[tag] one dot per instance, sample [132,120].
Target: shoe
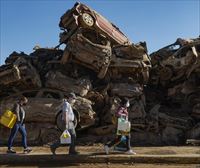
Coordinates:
[106,148]
[27,150]
[53,150]
[11,151]
[74,153]
[130,152]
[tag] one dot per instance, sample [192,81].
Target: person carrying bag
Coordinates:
[123,127]
[19,125]
[69,135]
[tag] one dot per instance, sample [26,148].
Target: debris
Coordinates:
[101,65]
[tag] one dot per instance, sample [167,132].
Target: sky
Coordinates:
[26,23]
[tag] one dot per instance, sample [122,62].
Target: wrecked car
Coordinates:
[83,16]
[174,61]
[19,75]
[45,107]
[92,53]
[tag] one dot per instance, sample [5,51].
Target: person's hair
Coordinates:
[70,95]
[124,100]
[65,96]
[23,98]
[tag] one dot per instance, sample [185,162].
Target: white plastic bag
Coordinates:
[65,138]
[123,127]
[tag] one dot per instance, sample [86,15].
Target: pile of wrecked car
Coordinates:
[101,65]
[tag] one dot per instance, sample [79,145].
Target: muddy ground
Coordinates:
[112,166]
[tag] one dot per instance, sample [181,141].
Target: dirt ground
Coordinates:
[110,166]
[99,148]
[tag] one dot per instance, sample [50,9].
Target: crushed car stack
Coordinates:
[176,79]
[101,65]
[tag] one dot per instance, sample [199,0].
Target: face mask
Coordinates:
[127,104]
[72,101]
[23,103]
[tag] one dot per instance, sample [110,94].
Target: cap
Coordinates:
[72,95]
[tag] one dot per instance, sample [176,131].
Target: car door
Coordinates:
[43,107]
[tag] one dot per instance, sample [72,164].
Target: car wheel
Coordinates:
[60,123]
[193,99]
[86,20]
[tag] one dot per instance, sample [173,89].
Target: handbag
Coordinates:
[8,119]
[65,138]
[123,126]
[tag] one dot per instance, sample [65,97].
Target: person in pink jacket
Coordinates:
[121,112]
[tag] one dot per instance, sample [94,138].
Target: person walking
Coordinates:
[68,118]
[121,112]
[19,126]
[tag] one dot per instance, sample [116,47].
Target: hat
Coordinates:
[72,95]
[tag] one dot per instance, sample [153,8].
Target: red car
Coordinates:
[82,16]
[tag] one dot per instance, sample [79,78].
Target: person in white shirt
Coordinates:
[68,118]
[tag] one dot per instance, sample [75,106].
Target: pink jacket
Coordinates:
[122,111]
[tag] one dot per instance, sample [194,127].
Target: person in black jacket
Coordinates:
[19,126]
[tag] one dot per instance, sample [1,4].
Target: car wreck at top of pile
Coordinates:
[83,16]
[94,42]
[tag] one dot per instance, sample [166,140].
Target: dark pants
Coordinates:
[21,128]
[117,140]
[73,141]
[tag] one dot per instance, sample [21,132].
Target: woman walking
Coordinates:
[122,112]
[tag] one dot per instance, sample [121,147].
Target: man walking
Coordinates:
[68,118]
[19,126]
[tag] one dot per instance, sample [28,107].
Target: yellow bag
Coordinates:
[8,119]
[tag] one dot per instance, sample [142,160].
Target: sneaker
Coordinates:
[130,152]
[53,150]
[27,150]
[106,148]
[74,153]
[11,151]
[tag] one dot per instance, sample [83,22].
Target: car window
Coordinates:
[173,47]
[50,94]
[30,94]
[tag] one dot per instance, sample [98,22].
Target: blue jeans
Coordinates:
[21,128]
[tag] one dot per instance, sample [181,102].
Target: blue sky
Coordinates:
[26,23]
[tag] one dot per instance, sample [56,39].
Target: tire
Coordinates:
[193,99]
[86,20]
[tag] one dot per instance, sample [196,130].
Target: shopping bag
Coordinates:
[8,119]
[123,126]
[65,138]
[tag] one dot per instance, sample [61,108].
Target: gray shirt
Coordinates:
[19,111]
